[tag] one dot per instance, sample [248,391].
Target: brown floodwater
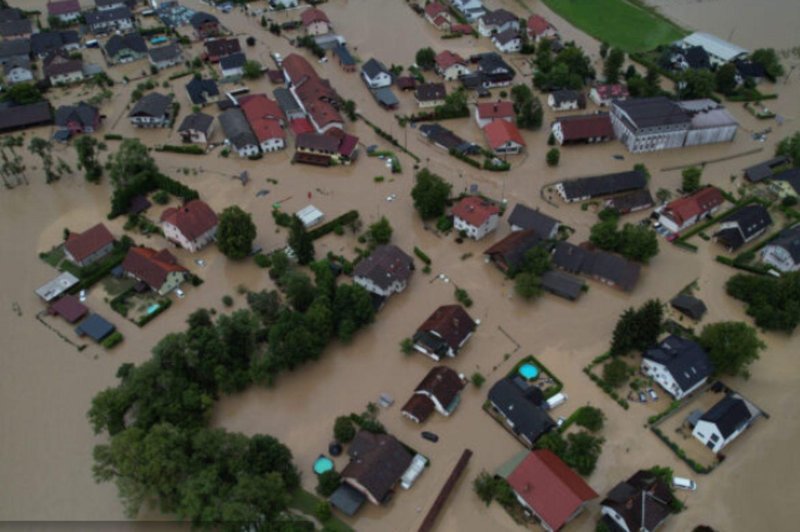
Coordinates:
[46,385]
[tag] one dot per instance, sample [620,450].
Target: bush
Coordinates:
[227,301]
[477,379]
[421,255]
[328,482]
[589,417]
[262,261]
[407,346]
[191,149]
[161,197]
[112,340]
[553,157]
[616,372]
[347,218]
[463,297]
[344,430]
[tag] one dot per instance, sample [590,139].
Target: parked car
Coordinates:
[180,293]
[684,483]
[82,296]
[652,393]
[642,397]
[560,421]
[430,436]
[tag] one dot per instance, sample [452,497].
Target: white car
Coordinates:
[391,197]
[200,262]
[684,483]
[82,296]
[180,293]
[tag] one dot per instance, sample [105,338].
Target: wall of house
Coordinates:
[174,279]
[779,258]
[91,259]
[509,148]
[317,28]
[275,144]
[381,80]
[69,17]
[706,432]
[173,234]
[563,106]
[514,45]
[357,485]
[19,75]
[149,121]
[542,523]
[432,103]
[605,510]
[476,232]
[64,79]
[395,288]
[697,137]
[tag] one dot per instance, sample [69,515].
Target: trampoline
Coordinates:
[529,371]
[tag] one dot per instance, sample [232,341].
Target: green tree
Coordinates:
[323,511]
[477,379]
[22,94]
[553,441]
[300,291]
[301,242]
[44,149]
[590,417]
[695,84]
[344,430]
[638,329]
[731,346]
[726,79]
[604,47]
[349,108]
[638,243]
[583,451]
[536,260]
[528,285]
[235,233]
[266,305]
[616,372]
[425,58]
[328,482]
[663,195]
[605,236]
[87,149]
[430,194]
[252,69]
[528,108]
[131,163]
[790,147]
[553,157]
[691,179]
[772,302]
[485,486]
[767,58]
[352,308]
[613,64]
[381,231]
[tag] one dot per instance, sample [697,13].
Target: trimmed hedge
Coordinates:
[112,340]
[680,453]
[191,149]
[164,304]
[550,392]
[422,256]
[603,385]
[346,218]
[112,136]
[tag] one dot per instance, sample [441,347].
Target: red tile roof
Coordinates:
[419,406]
[466,29]
[446,59]
[551,488]
[151,266]
[499,132]
[586,126]
[695,204]
[315,93]
[434,9]
[310,16]
[451,322]
[475,210]
[63,7]
[615,90]
[300,126]
[297,67]
[498,109]
[81,245]
[70,308]
[193,219]
[264,116]
[348,145]
[442,383]
[537,25]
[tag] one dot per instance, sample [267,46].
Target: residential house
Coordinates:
[17,71]
[493,71]
[95,327]
[497,21]
[152,110]
[583,129]
[604,94]
[192,226]
[375,74]
[406,83]
[196,128]
[640,504]
[765,170]
[344,58]
[503,137]
[445,139]
[524,218]
[166,56]
[20,28]
[629,202]
[440,390]
[377,462]
[266,121]
[315,95]
[125,48]
[66,11]
[584,188]
[61,70]
[783,252]
[69,307]
[13,118]
[566,100]
[386,271]
[549,489]
[678,365]
[216,49]
[725,421]
[743,226]
[232,66]
[749,71]
[283,4]
[445,332]
[689,306]
[15,50]
[475,216]
[520,406]
[385,98]
[205,25]
[106,5]
[786,183]
[508,41]
[79,118]
[491,111]
[509,253]
[315,21]
[159,270]
[472,10]
[88,247]
[683,213]
[450,66]
[324,149]
[430,94]
[719,51]
[119,19]
[539,28]
[608,268]
[438,15]
[562,284]
[202,91]
[238,134]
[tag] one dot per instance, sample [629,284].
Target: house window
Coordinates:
[714,438]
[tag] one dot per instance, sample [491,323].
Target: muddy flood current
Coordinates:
[46,384]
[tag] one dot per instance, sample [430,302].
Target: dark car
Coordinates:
[430,436]
[484,93]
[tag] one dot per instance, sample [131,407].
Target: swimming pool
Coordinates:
[529,371]
[322,464]
[152,308]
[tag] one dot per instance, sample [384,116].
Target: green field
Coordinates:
[620,23]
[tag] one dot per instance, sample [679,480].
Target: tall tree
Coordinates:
[430,194]
[44,150]
[691,179]
[381,231]
[767,58]
[131,163]
[696,84]
[301,242]
[732,347]
[725,78]
[425,58]
[613,64]
[87,148]
[235,233]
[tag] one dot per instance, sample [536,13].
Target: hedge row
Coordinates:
[532,359]
[112,136]
[164,304]
[674,405]
[112,340]
[344,219]
[680,453]
[422,256]
[121,199]
[607,388]
[759,270]
[467,159]
[181,74]
[191,149]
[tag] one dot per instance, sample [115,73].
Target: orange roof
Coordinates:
[151,266]
[310,16]
[193,219]
[498,109]
[475,210]
[81,245]
[499,132]
[446,59]
[263,115]
[695,204]
[297,67]
[435,8]
[537,25]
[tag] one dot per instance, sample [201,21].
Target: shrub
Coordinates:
[407,346]
[227,300]
[161,197]
[553,157]
[477,379]
[343,429]
[328,482]
[421,255]
[463,297]
[112,340]
[261,260]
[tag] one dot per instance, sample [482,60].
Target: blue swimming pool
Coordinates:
[529,371]
[152,308]
[322,464]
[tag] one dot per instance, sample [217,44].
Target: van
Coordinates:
[92,44]
[556,400]
[684,483]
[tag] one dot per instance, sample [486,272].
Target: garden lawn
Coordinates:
[619,23]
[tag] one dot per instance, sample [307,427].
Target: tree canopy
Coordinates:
[790,147]
[635,242]
[235,233]
[22,93]
[300,241]
[696,84]
[774,303]
[579,450]
[87,149]
[380,232]
[638,329]
[425,58]
[731,346]
[528,108]
[430,194]
[767,58]
[691,179]
[613,64]
[130,163]
[725,78]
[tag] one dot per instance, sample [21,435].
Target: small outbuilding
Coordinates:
[95,327]
[310,216]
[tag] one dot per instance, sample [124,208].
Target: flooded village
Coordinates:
[494,321]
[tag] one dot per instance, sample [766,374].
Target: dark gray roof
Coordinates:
[644,502]
[569,257]
[347,499]
[562,284]
[750,220]
[761,171]
[198,88]
[95,327]
[129,41]
[438,134]
[791,176]
[519,407]
[498,17]
[17,62]
[512,249]
[237,130]
[565,96]
[165,53]
[153,104]
[10,13]
[200,18]
[685,360]
[729,415]
[97,17]
[22,116]
[505,37]
[236,60]
[604,185]
[600,264]
[385,265]
[427,92]
[377,462]
[344,55]
[789,239]
[48,41]
[285,100]
[631,201]
[198,122]
[385,97]
[527,218]
[653,112]
[689,305]
[15,47]
[82,112]
[492,63]
[373,68]
[15,27]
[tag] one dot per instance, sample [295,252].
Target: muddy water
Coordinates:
[46,385]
